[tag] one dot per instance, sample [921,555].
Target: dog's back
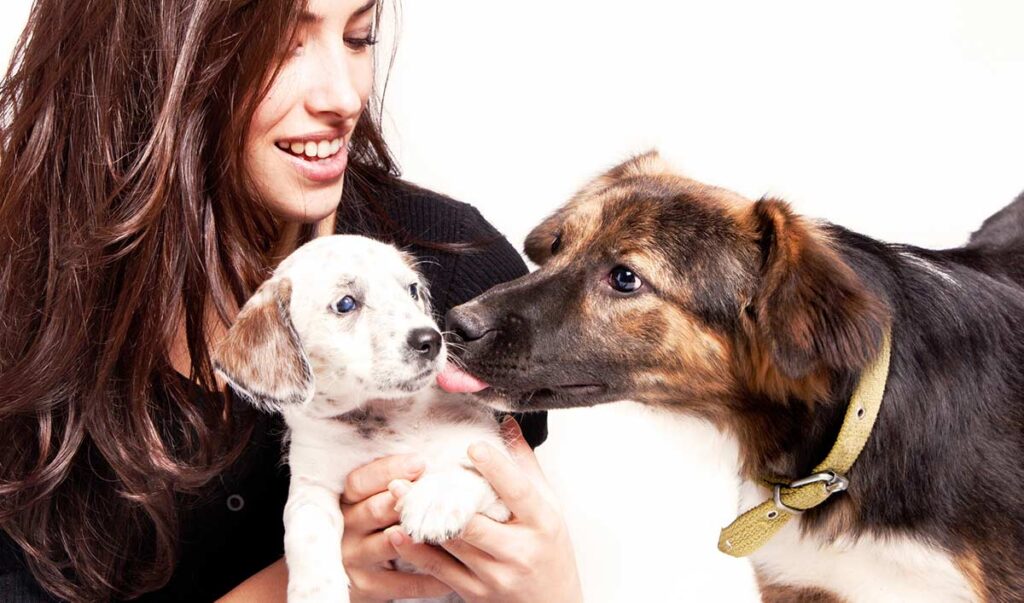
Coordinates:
[1001,238]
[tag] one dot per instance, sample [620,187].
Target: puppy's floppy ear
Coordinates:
[811,311]
[262,356]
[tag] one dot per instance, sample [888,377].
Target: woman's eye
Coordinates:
[345,305]
[624,280]
[414,291]
[360,43]
[556,244]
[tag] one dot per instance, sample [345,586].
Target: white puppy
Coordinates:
[341,342]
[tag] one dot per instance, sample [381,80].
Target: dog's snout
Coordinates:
[426,342]
[466,324]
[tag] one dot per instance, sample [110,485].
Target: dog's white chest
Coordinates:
[868,570]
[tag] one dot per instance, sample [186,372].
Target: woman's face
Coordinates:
[296,150]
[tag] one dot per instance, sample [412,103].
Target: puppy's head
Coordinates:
[343,320]
[657,288]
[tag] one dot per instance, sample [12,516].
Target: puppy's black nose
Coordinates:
[466,324]
[425,341]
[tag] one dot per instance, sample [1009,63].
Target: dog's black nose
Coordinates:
[466,324]
[425,341]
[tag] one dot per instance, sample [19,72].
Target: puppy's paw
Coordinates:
[438,506]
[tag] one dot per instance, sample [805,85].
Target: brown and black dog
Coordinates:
[656,288]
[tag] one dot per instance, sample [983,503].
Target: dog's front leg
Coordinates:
[313,527]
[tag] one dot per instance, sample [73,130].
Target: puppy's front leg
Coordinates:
[313,527]
[440,504]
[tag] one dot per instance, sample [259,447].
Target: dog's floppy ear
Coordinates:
[649,163]
[262,357]
[810,310]
[545,238]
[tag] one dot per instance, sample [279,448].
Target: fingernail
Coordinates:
[414,466]
[395,536]
[510,424]
[398,488]
[479,452]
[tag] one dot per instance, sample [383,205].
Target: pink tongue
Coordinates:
[454,380]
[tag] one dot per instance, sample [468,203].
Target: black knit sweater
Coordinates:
[237,530]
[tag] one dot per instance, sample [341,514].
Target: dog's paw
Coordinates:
[438,506]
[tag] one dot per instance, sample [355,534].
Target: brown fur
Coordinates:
[749,316]
[262,354]
[775,593]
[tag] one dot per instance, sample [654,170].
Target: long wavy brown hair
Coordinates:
[124,210]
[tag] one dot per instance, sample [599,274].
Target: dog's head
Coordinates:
[656,288]
[343,320]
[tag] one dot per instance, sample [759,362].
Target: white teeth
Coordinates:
[313,150]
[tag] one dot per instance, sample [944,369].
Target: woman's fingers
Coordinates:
[374,513]
[386,585]
[517,445]
[373,477]
[509,481]
[434,562]
[372,550]
[485,536]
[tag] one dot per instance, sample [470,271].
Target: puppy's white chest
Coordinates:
[869,569]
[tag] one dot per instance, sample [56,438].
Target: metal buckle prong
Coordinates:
[834,482]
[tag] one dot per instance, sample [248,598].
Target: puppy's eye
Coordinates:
[624,280]
[344,305]
[556,244]
[414,291]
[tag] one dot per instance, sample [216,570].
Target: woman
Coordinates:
[158,158]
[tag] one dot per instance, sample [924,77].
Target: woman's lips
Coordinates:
[321,171]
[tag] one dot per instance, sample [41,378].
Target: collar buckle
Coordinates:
[833,480]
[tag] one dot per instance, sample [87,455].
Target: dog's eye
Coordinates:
[414,291]
[556,244]
[344,305]
[624,280]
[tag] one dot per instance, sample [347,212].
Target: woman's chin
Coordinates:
[314,207]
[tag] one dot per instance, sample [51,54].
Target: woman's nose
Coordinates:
[333,87]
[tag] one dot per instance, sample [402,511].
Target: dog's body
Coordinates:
[656,288]
[340,341]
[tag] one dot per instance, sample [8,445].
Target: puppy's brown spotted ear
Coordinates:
[545,239]
[811,311]
[262,357]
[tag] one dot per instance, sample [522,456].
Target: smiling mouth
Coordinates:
[312,150]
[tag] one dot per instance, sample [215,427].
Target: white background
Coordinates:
[901,120]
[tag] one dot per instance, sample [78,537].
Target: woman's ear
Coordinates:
[810,310]
[262,357]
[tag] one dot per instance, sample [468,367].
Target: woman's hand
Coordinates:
[368,508]
[528,559]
